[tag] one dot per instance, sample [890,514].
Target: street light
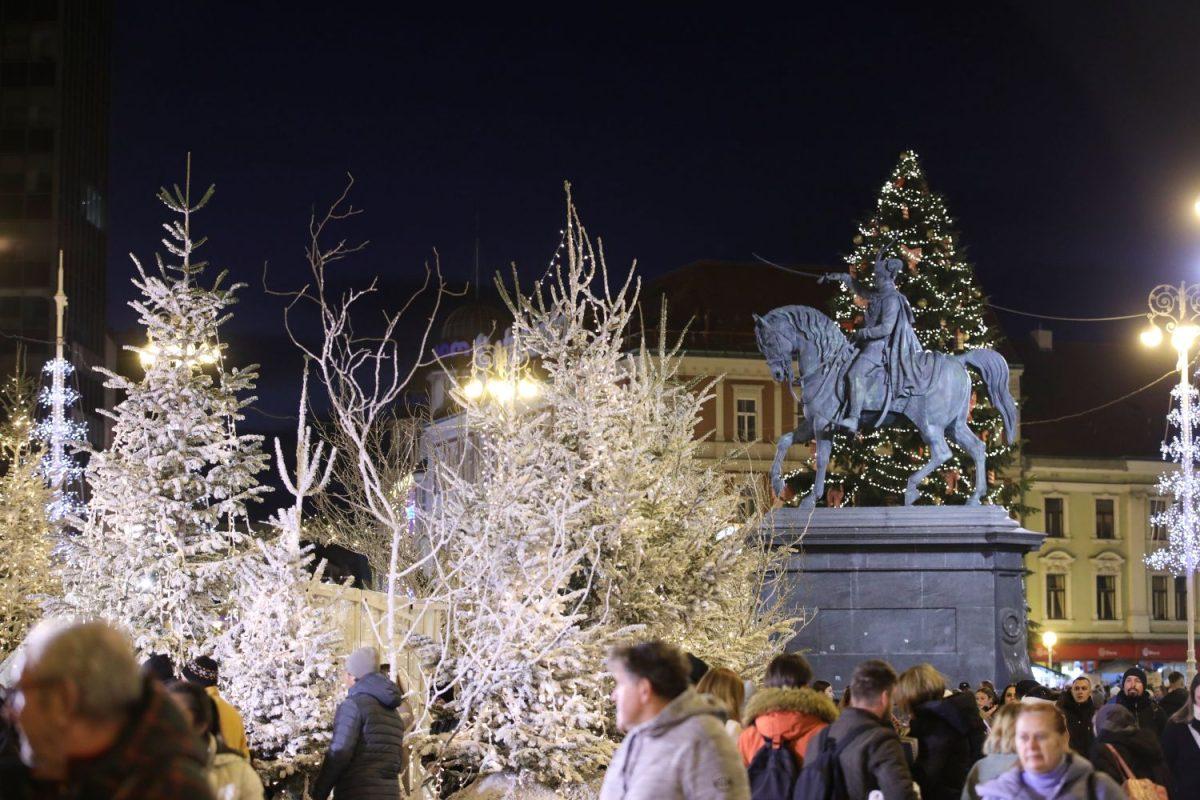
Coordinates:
[1175,310]
[500,372]
[1049,639]
[202,354]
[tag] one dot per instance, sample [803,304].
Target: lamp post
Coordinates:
[1175,311]
[501,373]
[1049,639]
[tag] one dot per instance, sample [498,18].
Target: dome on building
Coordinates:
[473,318]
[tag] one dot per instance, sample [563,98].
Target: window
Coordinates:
[747,419]
[1054,518]
[1180,597]
[1056,596]
[1158,596]
[1104,519]
[1158,533]
[1106,597]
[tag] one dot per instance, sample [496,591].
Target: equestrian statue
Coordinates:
[878,375]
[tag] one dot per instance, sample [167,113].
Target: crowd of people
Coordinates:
[88,722]
[893,736]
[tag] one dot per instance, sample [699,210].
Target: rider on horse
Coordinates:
[887,340]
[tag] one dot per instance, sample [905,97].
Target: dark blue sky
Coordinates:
[1066,139]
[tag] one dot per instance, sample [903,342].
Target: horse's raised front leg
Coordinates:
[939,452]
[967,440]
[781,449]
[824,449]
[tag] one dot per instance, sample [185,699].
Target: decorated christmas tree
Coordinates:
[911,221]
[26,532]
[167,496]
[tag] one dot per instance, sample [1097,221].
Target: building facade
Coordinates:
[54,95]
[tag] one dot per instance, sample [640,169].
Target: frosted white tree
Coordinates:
[167,495]
[26,533]
[581,513]
[280,654]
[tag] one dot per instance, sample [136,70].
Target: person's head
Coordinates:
[76,686]
[886,270]
[985,698]
[361,663]
[698,668]
[160,667]
[845,701]
[788,671]
[1002,735]
[1113,718]
[196,705]
[1191,709]
[1010,694]
[872,686]
[988,685]
[1133,682]
[918,685]
[1042,738]
[202,671]
[823,687]
[1175,680]
[726,686]
[649,675]
[1081,689]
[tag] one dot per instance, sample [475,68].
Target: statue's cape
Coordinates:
[910,367]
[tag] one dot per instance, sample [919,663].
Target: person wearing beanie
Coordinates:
[1133,696]
[1120,744]
[366,756]
[205,672]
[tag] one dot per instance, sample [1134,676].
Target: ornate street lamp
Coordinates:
[1049,639]
[500,373]
[1175,312]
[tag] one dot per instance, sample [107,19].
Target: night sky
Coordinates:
[1065,139]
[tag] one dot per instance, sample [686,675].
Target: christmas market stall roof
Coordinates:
[1081,398]
[716,300]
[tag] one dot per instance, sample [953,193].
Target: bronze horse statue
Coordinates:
[823,354]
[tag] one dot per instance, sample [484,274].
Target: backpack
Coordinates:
[822,778]
[773,770]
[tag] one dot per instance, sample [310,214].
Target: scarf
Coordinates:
[1046,784]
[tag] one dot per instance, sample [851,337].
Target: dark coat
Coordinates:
[874,760]
[1147,713]
[1140,750]
[1183,758]
[949,734]
[155,757]
[1173,701]
[366,756]
[1079,723]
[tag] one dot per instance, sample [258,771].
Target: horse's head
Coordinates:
[776,348]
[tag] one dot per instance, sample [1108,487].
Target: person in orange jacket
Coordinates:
[785,709]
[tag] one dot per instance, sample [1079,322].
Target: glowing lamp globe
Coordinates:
[1049,639]
[473,390]
[1183,337]
[1152,336]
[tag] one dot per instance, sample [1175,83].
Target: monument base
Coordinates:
[936,584]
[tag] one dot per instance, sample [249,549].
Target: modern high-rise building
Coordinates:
[54,106]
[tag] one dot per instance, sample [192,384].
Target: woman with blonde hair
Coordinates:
[948,730]
[999,750]
[727,688]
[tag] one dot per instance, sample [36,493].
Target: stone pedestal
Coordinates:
[942,584]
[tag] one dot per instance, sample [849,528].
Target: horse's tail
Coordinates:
[994,370]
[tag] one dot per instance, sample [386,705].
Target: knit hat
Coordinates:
[1136,672]
[362,661]
[202,671]
[1113,717]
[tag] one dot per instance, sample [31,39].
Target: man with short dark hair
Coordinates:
[1134,697]
[871,758]
[1176,695]
[675,746]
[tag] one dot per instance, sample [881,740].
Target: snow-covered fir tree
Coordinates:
[912,222]
[584,515]
[26,533]
[168,494]
[280,654]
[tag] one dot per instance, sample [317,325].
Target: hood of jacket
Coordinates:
[953,710]
[378,686]
[1084,710]
[1010,786]
[1137,745]
[682,708]
[1133,703]
[788,713]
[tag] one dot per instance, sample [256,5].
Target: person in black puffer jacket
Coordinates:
[1079,708]
[948,730]
[366,757]
[1138,748]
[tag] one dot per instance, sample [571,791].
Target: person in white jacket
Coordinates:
[231,776]
[675,746]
